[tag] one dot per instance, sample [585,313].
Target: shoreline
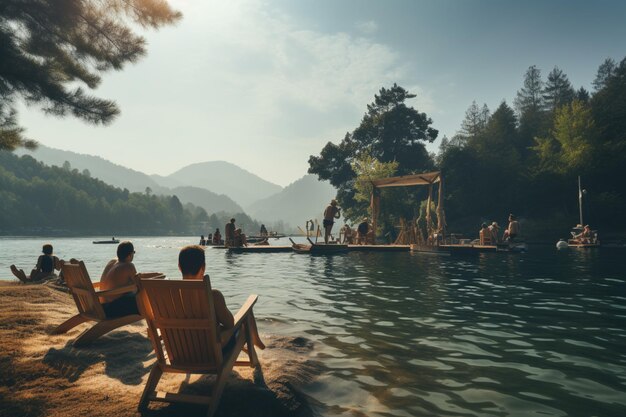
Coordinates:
[42,374]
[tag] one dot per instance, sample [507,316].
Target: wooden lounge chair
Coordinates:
[187,338]
[87,299]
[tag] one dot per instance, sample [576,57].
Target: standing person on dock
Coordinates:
[513,230]
[263,231]
[229,233]
[331,213]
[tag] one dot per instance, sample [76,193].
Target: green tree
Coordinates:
[367,168]
[605,71]
[530,105]
[49,50]
[475,121]
[557,90]
[390,131]
[571,148]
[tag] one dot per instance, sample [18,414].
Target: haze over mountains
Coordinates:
[217,186]
[223,178]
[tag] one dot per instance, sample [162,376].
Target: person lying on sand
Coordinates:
[44,269]
[192,265]
[118,273]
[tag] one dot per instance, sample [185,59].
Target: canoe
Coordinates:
[104,242]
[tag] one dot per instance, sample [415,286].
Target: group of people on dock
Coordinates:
[489,234]
[214,238]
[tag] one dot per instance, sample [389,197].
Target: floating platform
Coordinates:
[260,249]
[379,248]
[470,249]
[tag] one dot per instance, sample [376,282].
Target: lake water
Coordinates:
[536,334]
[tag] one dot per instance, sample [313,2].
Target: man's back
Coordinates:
[330,212]
[117,274]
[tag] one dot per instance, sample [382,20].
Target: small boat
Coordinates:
[583,243]
[578,240]
[318,248]
[104,242]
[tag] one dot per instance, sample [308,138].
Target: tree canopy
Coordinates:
[526,162]
[390,132]
[50,50]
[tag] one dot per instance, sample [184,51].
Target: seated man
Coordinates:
[192,264]
[586,236]
[46,264]
[118,273]
[485,235]
[512,231]
[362,232]
[217,237]
[239,239]
[494,228]
[347,234]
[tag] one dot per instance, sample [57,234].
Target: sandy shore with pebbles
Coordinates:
[43,375]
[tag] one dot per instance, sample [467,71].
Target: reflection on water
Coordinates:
[543,333]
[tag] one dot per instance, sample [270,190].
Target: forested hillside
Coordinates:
[35,198]
[526,159]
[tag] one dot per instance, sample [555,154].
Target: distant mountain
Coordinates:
[166,181]
[304,199]
[211,202]
[134,181]
[107,171]
[223,178]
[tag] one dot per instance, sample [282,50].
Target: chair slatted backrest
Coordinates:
[81,287]
[182,313]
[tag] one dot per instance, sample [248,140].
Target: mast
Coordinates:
[580,202]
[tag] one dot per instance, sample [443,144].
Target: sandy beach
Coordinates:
[43,375]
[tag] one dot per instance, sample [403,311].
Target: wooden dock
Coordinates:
[260,249]
[379,248]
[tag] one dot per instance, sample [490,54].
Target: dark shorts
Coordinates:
[120,307]
[328,223]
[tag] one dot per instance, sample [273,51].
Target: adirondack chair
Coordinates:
[86,295]
[187,338]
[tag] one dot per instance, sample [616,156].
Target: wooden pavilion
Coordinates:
[430,179]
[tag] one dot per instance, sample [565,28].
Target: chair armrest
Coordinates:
[117,291]
[150,275]
[245,309]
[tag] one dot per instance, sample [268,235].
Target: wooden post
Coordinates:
[374,206]
[428,221]
[441,214]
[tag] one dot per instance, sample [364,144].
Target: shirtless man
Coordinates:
[229,233]
[192,264]
[331,213]
[513,230]
[118,273]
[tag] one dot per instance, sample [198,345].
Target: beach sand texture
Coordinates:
[43,375]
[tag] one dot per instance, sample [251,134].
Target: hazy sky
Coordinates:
[265,84]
